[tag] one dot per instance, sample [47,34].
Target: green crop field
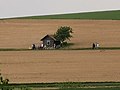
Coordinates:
[91,89]
[65,86]
[101,15]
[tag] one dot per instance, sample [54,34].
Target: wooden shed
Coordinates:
[50,42]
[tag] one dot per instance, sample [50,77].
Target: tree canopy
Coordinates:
[63,33]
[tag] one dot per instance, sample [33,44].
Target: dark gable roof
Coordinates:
[51,36]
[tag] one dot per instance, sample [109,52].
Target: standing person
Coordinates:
[33,46]
[41,45]
[1,79]
[97,45]
[93,46]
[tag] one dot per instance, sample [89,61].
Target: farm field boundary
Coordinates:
[102,48]
[66,86]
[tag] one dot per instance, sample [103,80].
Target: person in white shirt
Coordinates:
[97,45]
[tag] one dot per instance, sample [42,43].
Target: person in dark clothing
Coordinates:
[93,46]
[33,46]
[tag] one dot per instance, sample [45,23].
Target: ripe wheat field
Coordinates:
[60,65]
[21,33]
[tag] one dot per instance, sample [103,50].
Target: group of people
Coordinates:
[95,45]
[41,46]
[34,47]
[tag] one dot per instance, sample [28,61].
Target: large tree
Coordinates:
[63,33]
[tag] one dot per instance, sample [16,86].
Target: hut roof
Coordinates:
[51,36]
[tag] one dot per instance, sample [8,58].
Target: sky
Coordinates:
[20,8]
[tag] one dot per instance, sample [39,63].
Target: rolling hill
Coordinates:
[102,15]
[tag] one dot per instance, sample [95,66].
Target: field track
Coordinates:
[60,66]
[21,33]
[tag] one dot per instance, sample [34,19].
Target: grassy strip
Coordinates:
[13,49]
[102,48]
[101,15]
[69,85]
[90,89]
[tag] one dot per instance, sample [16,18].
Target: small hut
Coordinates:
[50,42]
